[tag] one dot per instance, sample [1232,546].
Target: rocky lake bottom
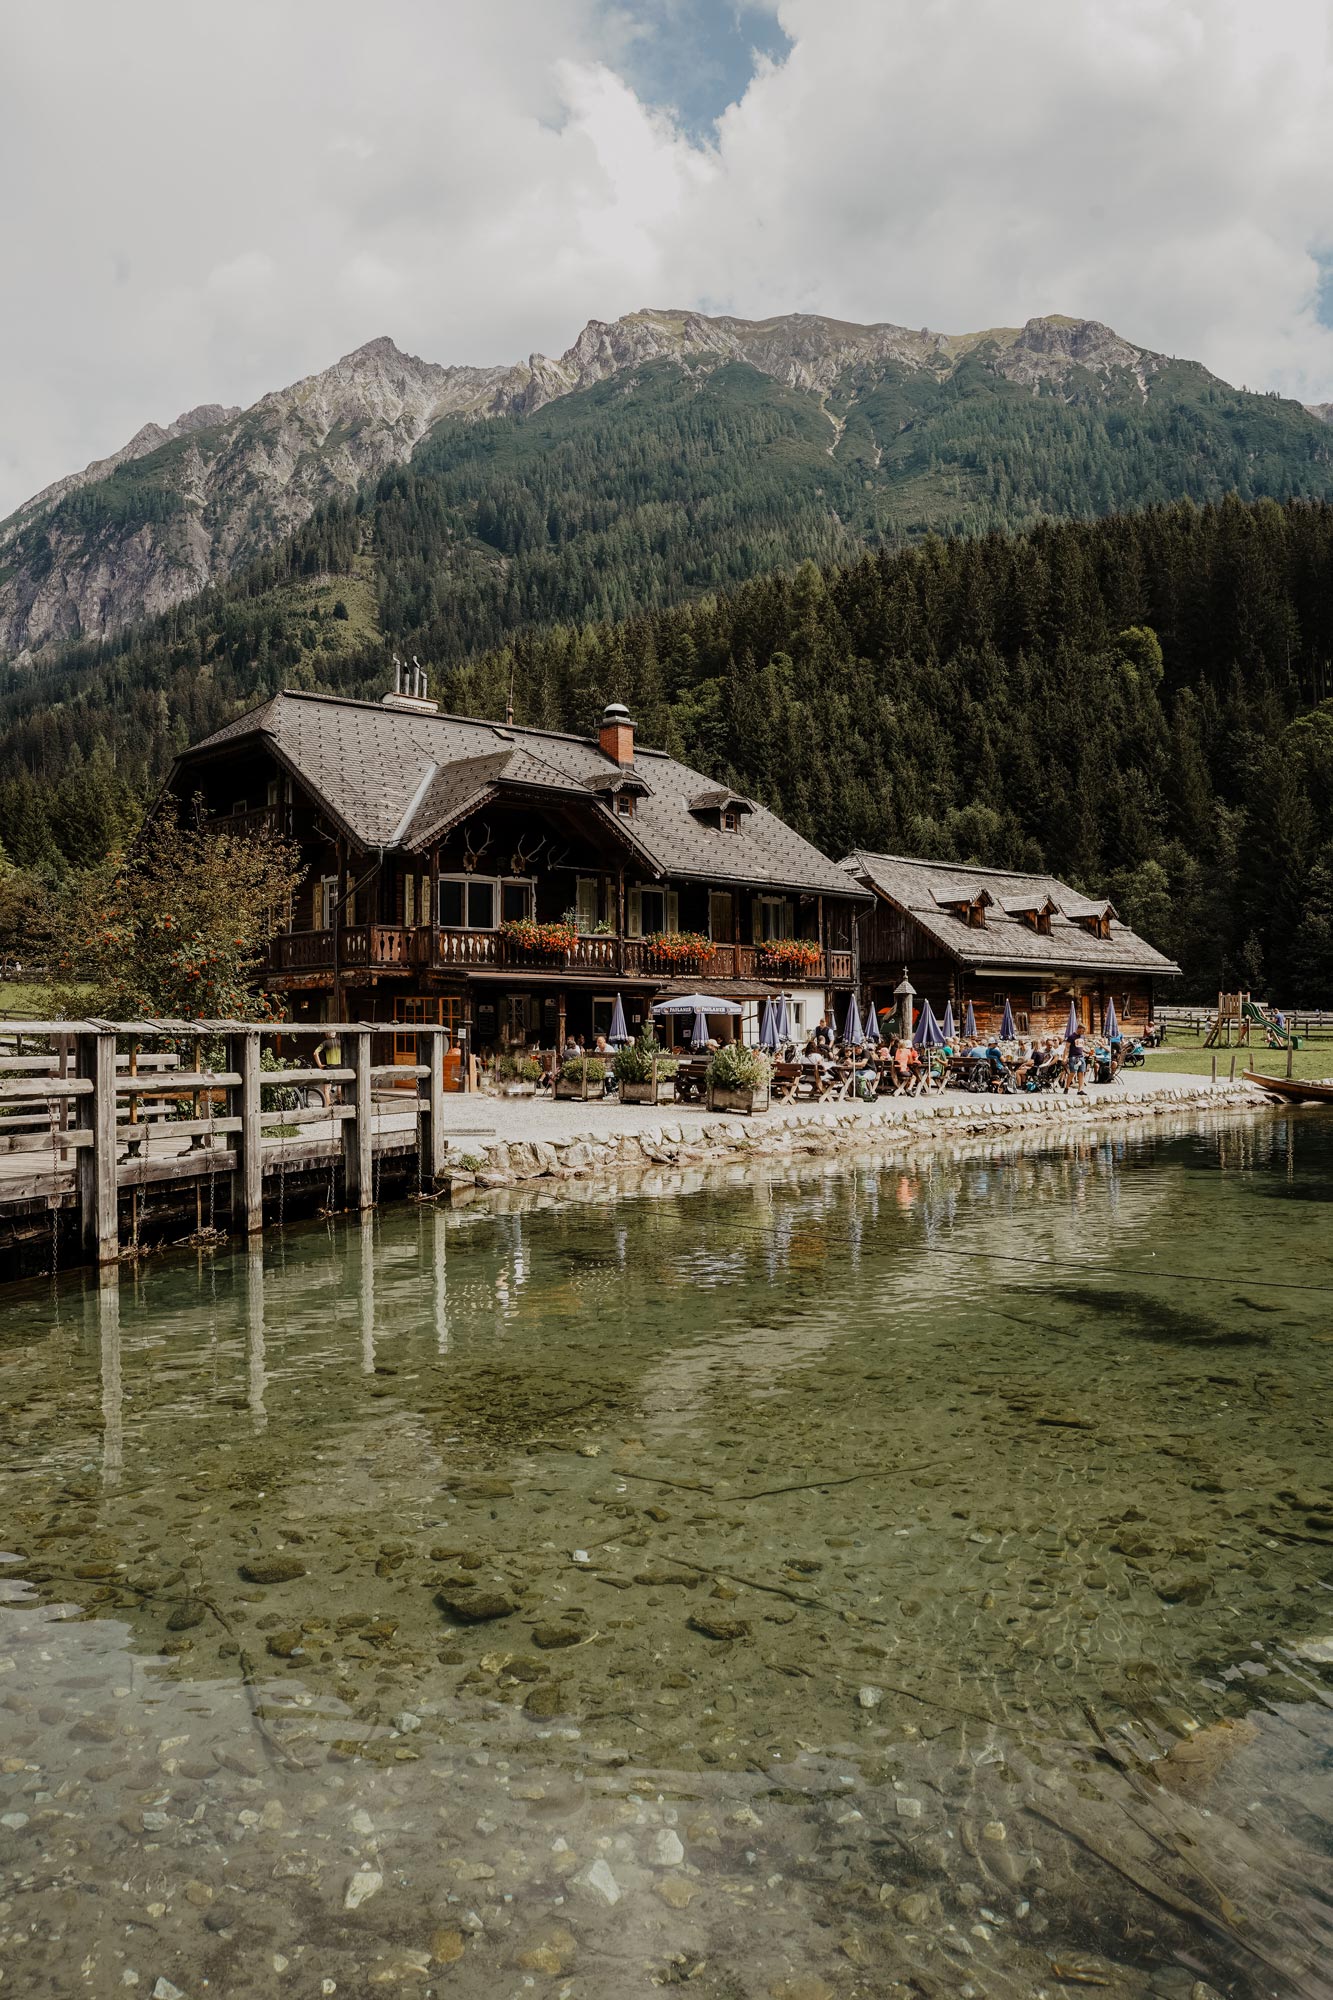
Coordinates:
[812,1580]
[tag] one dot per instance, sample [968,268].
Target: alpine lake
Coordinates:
[831,1581]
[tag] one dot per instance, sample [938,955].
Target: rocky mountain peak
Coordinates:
[250,476]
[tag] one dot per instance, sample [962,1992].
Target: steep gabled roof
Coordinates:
[393,777]
[924,889]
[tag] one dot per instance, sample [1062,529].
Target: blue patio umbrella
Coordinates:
[1071,1025]
[768,1029]
[1110,1024]
[784,1019]
[699,1033]
[872,1033]
[852,1032]
[1007,1022]
[927,1032]
[619,1034]
[948,1022]
[970,1024]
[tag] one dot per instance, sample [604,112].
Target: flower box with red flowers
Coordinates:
[786,957]
[524,937]
[681,951]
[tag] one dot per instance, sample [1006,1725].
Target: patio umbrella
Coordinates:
[948,1023]
[927,1034]
[784,1019]
[1007,1022]
[619,1034]
[699,1032]
[852,1032]
[768,1030]
[695,1003]
[970,1024]
[1071,1025]
[1110,1025]
[872,1024]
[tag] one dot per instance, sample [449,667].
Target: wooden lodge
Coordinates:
[986,935]
[507,883]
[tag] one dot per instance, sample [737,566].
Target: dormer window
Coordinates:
[1037,916]
[721,808]
[969,905]
[624,805]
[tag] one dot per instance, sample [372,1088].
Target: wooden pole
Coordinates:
[359,1129]
[1290,1048]
[97,1163]
[435,1047]
[250,1142]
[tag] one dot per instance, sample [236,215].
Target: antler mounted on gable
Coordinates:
[521,861]
[472,855]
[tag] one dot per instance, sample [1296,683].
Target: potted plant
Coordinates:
[787,958]
[680,951]
[644,1072]
[738,1078]
[518,1073]
[581,1077]
[524,937]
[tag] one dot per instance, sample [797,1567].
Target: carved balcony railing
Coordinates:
[395,948]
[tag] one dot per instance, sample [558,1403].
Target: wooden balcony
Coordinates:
[378,947]
[392,948]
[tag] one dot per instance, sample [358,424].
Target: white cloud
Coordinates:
[203,203]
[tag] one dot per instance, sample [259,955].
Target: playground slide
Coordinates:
[1275,1037]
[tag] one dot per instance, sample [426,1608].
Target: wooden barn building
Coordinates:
[986,935]
[509,883]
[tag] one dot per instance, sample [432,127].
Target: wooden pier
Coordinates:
[102,1122]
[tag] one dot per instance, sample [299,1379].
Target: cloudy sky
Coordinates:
[204,199]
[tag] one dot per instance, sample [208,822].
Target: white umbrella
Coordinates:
[619,1034]
[699,1033]
[768,1031]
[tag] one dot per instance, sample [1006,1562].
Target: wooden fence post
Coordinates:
[97,1162]
[359,1129]
[250,1138]
[435,1047]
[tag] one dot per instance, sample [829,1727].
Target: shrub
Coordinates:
[634,1063]
[736,1067]
[517,1069]
[578,1067]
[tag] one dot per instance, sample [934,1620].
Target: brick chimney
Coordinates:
[617,733]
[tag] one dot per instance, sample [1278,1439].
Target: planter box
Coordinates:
[754,1099]
[579,1091]
[661,1092]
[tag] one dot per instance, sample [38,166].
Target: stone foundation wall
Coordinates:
[818,1129]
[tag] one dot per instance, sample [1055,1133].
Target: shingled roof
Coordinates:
[396,777]
[922,889]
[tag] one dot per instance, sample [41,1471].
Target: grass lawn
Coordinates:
[20,1001]
[1313,1060]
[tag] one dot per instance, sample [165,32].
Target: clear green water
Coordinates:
[902,1572]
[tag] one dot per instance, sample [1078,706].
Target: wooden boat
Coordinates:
[1288,1087]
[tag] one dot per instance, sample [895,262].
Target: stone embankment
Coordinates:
[818,1129]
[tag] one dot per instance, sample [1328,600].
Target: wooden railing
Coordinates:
[380,947]
[97,1121]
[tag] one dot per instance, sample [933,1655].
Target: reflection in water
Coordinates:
[256,1377]
[905,1579]
[108,1329]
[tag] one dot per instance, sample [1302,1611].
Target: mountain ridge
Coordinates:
[187,504]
